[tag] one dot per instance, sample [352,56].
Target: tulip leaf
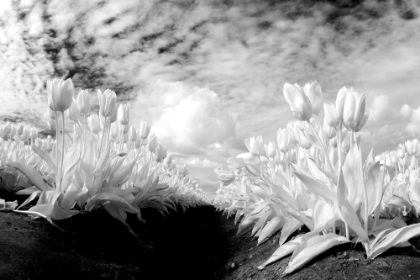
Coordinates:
[46,157]
[50,211]
[261,222]
[283,251]
[274,225]
[312,248]
[291,225]
[297,214]
[315,186]
[353,177]
[32,174]
[392,238]
[346,211]
[374,187]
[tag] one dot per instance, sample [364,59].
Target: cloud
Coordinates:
[379,108]
[231,57]
[414,125]
[197,162]
[185,117]
[405,111]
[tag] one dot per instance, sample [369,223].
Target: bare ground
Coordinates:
[198,244]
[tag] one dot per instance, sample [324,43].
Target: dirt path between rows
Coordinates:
[198,244]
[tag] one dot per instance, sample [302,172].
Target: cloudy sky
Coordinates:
[208,74]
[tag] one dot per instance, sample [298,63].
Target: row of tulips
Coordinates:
[103,162]
[315,177]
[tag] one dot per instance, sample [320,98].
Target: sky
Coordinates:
[209,74]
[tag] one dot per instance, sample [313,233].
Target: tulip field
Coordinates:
[302,196]
[315,178]
[103,162]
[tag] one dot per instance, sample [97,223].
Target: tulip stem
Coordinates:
[323,146]
[62,150]
[57,176]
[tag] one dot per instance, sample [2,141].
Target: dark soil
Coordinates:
[198,244]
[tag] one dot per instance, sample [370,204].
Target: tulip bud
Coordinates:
[401,150]
[132,135]
[113,134]
[144,129]
[282,139]
[83,102]
[34,133]
[6,131]
[93,124]
[26,133]
[60,94]
[330,118]
[255,145]
[409,147]
[329,131]
[73,112]
[123,116]
[298,102]
[270,150]
[13,131]
[113,117]
[107,102]
[394,157]
[138,142]
[314,93]
[339,103]
[152,142]
[387,160]
[302,139]
[19,129]
[160,153]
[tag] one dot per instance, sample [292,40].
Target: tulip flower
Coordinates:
[270,150]
[302,139]
[132,134]
[123,116]
[73,112]
[401,150]
[107,103]
[160,153]
[113,117]
[60,94]
[144,129]
[282,139]
[34,133]
[6,131]
[314,93]
[93,123]
[299,103]
[255,145]
[329,131]
[19,129]
[152,142]
[350,109]
[83,102]
[330,115]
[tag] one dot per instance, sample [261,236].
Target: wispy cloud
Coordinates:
[231,59]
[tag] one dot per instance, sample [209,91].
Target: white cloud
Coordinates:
[197,162]
[184,117]
[405,111]
[379,108]
[414,126]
